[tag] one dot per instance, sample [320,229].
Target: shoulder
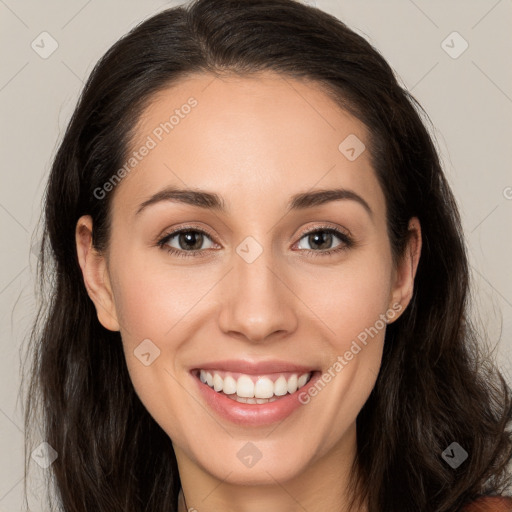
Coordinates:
[490,504]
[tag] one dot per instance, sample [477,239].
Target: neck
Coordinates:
[322,487]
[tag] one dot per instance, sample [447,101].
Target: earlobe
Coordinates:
[95,274]
[403,286]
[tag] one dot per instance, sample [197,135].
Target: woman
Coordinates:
[261,285]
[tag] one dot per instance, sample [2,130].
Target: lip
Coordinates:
[254,367]
[253,415]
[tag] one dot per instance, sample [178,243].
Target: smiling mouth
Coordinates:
[253,389]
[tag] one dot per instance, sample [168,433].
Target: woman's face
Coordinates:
[260,287]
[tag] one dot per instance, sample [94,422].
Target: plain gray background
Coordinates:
[467,94]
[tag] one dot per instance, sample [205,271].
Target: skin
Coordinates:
[255,141]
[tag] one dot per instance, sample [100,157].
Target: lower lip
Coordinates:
[254,414]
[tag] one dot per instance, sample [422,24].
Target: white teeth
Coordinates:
[245,390]
[237,398]
[229,385]
[280,386]
[245,387]
[264,388]
[217,382]
[292,384]
[302,380]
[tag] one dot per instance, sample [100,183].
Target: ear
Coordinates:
[95,274]
[403,285]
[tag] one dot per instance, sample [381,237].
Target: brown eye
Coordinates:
[190,240]
[320,241]
[186,240]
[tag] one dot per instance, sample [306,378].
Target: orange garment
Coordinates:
[490,504]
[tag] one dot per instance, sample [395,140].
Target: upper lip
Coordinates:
[254,367]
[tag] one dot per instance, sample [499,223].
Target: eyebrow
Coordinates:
[212,201]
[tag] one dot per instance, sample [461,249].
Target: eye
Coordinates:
[321,239]
[187,240]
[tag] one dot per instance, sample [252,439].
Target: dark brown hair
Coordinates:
[435,385]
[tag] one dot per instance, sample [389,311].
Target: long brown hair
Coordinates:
[435,385]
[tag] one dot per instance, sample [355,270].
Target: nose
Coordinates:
[258,303]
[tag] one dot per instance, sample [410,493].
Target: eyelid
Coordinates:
[171,232]
[343,234]
[312,229]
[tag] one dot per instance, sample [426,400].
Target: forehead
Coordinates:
[252,139]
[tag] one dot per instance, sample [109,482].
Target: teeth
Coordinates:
[246,390]
[264,388]
[229,385]
[245,387]
[292,384]
[217,382]
[242,400]
[280,386]
[237,398]
[302,380]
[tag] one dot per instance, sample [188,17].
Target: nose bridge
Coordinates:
[256,303]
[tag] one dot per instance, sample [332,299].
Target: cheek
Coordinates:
[350,298]
[157,305]
[152,306]
[351,305]
[152,297]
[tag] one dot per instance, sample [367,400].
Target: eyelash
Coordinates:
[348,242]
